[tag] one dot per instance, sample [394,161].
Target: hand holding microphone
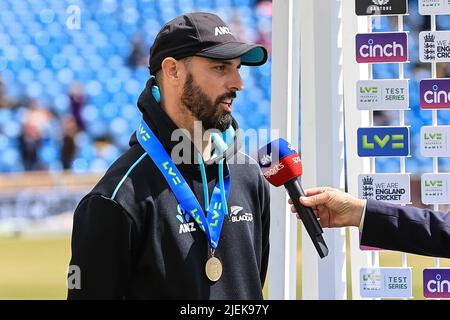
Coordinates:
[335,208]
[281,165]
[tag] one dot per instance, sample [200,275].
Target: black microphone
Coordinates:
[281,165]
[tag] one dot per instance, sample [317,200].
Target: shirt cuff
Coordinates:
[363,215]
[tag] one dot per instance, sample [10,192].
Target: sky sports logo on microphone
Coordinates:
[383,142]
[279,161]
[382,47]
[435,94]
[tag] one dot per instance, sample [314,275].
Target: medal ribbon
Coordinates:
[210,224]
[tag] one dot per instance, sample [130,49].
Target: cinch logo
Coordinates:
[219,31]
[383,141]
[373,50]
[237,215]
[381,47]
[435,94]
[436,283]
[186,226]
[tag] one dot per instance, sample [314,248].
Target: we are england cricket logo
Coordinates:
[434,46]
[393,188]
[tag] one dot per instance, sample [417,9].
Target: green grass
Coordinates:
[36,268]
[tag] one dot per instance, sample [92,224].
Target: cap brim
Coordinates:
[250,54]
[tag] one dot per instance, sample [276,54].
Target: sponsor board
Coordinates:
[436,283]
[383,141]
[434,7]
[389,187]
[434,46]
[434,188]
[382,94]
[435,93]
[434,141]
[381,7]
[378,47]
[385,282]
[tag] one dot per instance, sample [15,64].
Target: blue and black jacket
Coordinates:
[131,240]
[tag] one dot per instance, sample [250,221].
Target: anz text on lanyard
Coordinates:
[210,224]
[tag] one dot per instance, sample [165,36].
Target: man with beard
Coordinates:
[149,229]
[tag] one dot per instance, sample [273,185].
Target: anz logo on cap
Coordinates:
[219,31]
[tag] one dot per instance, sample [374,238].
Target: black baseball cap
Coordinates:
[202,34]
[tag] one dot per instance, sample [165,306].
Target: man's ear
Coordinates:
[170,68]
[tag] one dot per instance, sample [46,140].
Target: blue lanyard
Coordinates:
[210,224]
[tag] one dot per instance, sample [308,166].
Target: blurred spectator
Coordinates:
[236,27]
[263,7]
[265,37]
[382,118]
[420,71]
[443,70]
[264,12]
[29,144]
[36,125]
[137,56]
[68,148]
[77,100]
[101,145]
[5,102]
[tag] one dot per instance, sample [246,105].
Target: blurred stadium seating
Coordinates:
[40,57]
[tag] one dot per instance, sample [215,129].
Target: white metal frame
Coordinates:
[284,117]
[323,137]
[318,27]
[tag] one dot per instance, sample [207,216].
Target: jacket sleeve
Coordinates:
[101,250]
[265,232]
[407,229]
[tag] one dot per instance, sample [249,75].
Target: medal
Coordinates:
[213,268]
[216,208]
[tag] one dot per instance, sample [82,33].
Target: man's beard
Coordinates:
[210,113]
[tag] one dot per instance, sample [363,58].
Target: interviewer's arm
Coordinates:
[407,229]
